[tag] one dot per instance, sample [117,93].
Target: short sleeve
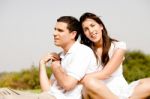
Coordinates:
[80,63]
[116,45]
[120,45]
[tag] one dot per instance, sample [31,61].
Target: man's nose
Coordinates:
[55,33]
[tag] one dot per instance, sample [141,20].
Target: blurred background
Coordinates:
[26,34]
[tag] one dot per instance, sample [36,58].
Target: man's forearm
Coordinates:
[44,81]
[60,75]
[64,80]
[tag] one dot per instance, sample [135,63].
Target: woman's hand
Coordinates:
[86,78]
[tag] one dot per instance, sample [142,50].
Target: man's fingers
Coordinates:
[55,56]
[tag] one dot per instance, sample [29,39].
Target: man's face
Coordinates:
[62,36]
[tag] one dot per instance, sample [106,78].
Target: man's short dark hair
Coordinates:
[72,24]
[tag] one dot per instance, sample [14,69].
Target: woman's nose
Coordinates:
[90,30]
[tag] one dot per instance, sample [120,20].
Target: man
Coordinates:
[76,60]
[69,66]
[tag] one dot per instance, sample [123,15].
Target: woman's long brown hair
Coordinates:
[106,39]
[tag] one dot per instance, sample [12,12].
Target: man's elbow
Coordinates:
[45,89]
[69,83]
[69,86]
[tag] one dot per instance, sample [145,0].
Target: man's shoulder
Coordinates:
[82,46]
[84,50]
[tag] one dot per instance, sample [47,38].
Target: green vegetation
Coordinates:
[24,80]
[136,65]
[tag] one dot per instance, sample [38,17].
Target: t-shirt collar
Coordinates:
[72,48]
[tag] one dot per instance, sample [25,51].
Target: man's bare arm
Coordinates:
[45,82]
[66,81]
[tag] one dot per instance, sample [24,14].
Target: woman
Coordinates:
[107,82]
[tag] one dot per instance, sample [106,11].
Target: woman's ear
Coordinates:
[101,26]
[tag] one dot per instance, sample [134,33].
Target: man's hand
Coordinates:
[55,64]
[49,57]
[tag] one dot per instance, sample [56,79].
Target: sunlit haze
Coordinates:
[26,26]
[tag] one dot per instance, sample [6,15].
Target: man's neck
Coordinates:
[68,46]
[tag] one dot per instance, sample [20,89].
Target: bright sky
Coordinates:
[26,26]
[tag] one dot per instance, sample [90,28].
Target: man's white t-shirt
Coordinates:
[77,62]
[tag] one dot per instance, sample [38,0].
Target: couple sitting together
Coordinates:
[89,69]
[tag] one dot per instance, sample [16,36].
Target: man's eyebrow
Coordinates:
[61,30]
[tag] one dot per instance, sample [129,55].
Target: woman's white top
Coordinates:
[117,83]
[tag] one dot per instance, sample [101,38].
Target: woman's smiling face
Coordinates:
[92,30]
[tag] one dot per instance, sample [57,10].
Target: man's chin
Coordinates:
[57,44]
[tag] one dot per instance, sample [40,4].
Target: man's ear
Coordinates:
[73,34]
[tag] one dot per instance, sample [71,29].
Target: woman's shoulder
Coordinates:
[116,45]
[119,44]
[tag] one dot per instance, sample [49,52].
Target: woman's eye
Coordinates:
[85,29]
[92,25]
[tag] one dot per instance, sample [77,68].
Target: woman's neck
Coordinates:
[98,47]
[98,44]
